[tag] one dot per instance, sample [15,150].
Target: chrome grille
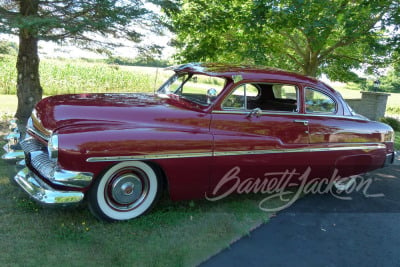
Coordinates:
[38,160]
[38,157]
[30,145]
[41,162]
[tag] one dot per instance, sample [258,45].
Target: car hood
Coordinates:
[65,110]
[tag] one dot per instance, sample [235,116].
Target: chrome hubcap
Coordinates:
[127,189]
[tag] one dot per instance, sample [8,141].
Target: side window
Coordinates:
[282,98]
[241,96]
[282,91]
[265,96]
[318,102]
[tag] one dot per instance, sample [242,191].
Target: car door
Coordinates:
[258,133]
[342,145]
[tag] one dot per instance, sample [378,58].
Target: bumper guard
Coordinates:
[13,150]
[43,193]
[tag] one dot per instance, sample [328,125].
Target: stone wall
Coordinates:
[371,105]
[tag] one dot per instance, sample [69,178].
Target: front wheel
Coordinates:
[125,191]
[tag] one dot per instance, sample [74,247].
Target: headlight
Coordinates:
[52,147]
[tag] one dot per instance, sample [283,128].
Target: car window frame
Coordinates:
[178,75]
[298,98]
[230,94]
[324,93]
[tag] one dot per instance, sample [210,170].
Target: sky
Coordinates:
[53,50]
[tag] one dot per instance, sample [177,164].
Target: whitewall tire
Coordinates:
[125,191]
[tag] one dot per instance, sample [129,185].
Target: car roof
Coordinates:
[246,72]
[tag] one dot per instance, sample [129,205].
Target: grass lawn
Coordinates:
[172,234]
[8,105]
[397,141]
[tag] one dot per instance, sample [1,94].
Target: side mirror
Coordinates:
[211,94]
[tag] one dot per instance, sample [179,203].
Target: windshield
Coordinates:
[201,89]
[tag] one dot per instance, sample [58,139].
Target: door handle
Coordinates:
[257,112]
[301,121]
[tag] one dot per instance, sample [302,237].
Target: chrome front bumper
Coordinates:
[43,193]
[35,183]
[13,151]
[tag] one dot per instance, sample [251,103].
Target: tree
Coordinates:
[149,54]
[9,48]
[85,23]
[310,37]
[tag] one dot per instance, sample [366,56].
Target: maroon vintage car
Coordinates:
[119,151]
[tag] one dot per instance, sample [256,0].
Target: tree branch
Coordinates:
[348,57]
[8,14]
[346,40]
[296,47]
[298,63]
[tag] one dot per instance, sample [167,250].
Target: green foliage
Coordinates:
[391,81]
[395,124]
[311,37]
[8,74]
[8,48]
[397,141]
[393,110]
[75,21]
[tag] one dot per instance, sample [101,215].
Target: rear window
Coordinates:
[318,102]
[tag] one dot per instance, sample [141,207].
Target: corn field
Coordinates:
[64,76]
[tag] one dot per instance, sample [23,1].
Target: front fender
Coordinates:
[93,149]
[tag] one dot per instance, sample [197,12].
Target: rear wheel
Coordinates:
[125,191]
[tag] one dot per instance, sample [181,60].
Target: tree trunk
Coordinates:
[29,91]
[310,68]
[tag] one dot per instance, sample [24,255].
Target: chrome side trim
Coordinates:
[43,193]
[350,146]
[265,112]
[367,147]
[150,156]
[297,150]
